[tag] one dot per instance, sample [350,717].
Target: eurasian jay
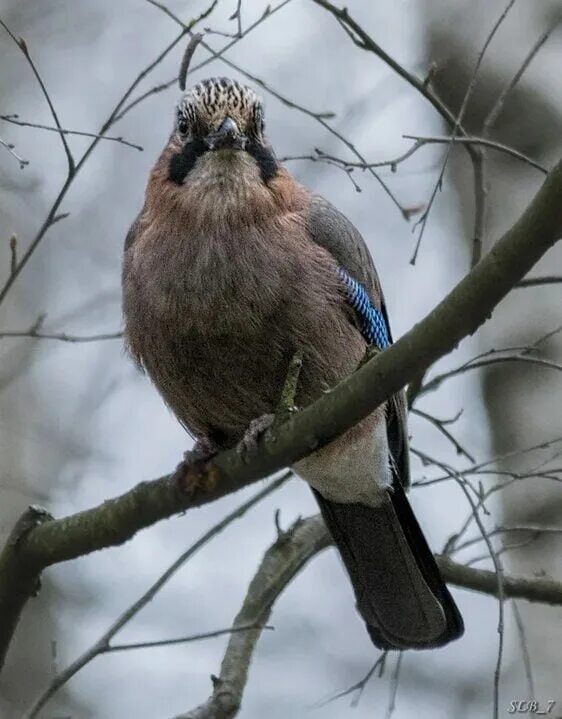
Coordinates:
[232,267]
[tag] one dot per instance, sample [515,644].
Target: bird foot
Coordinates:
[256,429]
[192,472]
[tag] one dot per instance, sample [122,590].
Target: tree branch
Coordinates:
[533,589]
[282,561]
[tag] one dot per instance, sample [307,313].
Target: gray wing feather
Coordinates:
[332,230]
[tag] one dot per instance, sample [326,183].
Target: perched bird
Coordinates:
[232,267]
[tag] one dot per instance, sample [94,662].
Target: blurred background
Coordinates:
[79,424]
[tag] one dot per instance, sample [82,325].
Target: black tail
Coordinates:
[399,590]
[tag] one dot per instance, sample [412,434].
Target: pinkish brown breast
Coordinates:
[221,285]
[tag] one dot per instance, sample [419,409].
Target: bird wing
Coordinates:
[334,232]
[397,584]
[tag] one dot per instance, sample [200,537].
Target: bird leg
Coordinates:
[286,406]
[256,429]
[193,472]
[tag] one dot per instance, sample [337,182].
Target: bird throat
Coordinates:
[184,162]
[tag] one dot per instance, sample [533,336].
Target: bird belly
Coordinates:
[355,467]
[217,327]
[217,384]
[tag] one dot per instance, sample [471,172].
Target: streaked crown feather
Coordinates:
[210,101]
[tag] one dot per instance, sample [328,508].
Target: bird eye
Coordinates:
[183,126]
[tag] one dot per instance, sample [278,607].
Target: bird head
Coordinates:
[219,126]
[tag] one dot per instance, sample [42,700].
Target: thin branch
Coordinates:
[440,424]
[524,649]
[62,336]
[13,153]
[481,178]
[182,640]
[498,106]
[538,281]
[420,141]
[483,142]
[495,356]
[161,87]
[367,43]
[499,575]
[14,120]
[532,589]
[20,42]
[358,688]
[439,379]
[479,187]
[189,26]
[501,530]
[13,253]
[282,561]
[103,644]
[394,686]
[507,547]
[237,15]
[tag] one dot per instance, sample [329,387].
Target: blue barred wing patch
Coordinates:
[371,320]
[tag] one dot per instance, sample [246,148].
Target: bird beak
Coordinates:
[227,136]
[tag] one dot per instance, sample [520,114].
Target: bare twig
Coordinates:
[420,141]
[74,168]
[14,120]
[524,649]
[538,281]
[189,26]
[501,530]
[13,253]
[481,179]
[394,686]
[186,59]
[480,189]
[237,15]
[358,688]
[363,40]
[161,87]
[282,561]
[498,106]
[493,356]
[13,153]
[20,42]
[182,640]
[482,141]
[440,424]
[498,574]
[62,336]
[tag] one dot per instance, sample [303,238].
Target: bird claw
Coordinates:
[190,472]
[256,429]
